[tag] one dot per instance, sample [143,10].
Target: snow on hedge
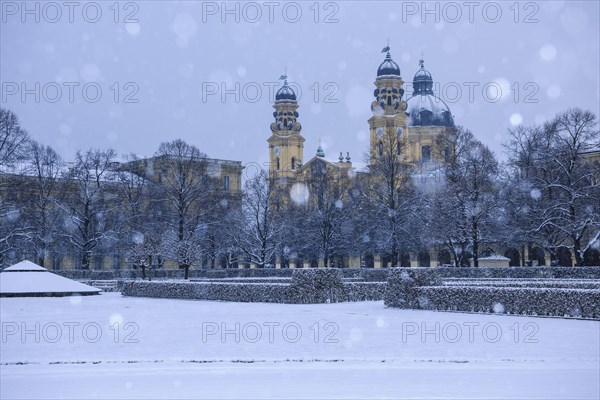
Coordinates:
[306,287]
[362,274]
[543,283]
[558,302]
[413,290]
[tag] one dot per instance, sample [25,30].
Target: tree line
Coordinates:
[173,207]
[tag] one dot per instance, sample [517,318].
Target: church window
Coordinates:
[226,183]
[293,162]
[277,161]
[380,146]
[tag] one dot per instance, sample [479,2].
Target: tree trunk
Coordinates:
[577,251]
[85,260]
[475,246]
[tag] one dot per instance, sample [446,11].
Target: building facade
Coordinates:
[411,121]
[414,120]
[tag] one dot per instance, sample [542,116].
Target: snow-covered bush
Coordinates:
[268,293]
[364,274]
[403,284]
[541,283]
[551,297]
[307,286]
[244,280]
[364,291]
[560,302]
[317,286]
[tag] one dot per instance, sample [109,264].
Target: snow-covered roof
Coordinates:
[29,279]
[25,266]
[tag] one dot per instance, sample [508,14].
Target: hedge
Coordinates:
[307,286]
[362,274]
[542,283]
[583,303]
[414,290]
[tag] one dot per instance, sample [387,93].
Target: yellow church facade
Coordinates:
[412,123]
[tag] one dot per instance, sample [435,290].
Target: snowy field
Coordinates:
[110,346]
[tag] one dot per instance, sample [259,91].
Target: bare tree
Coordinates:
[183,182]
[550,162]
[138,224]
[470,194]
[392,197]
[326,216]
[88,203]
[217,243]
[257,228]
[143,250]
[13,141]
[45,168]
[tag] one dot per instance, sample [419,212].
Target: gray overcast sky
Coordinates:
[543,55]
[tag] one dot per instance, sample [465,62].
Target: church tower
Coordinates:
[388,125]
[286,145]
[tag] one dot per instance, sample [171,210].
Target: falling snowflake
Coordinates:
[299,193]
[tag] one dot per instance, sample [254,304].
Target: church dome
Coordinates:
[424,108]
[428,110]
[422,82]
[388,67]
[285,93]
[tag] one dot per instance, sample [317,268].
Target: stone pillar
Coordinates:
[414,260]
[377,261]
[433,261]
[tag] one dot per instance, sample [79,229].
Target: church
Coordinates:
[405,125]
[414,121]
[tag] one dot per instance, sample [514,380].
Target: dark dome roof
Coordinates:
[285,93]
[422,82]
[428,110]
[388,67]
[424,108]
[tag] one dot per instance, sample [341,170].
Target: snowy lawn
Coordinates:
[110,346]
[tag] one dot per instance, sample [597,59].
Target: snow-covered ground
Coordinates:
[110,346]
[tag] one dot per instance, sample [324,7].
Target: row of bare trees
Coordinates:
[546,194]
[141,211]
[553,198]
[171,207]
